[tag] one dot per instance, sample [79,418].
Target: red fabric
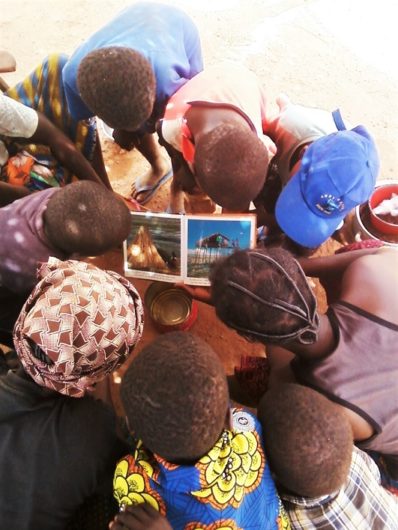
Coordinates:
[368,243]
[252,375]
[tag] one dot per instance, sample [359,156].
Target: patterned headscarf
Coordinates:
[77,326]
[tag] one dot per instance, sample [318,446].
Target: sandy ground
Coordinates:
[323,53]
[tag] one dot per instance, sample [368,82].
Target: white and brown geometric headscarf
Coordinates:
[78,325]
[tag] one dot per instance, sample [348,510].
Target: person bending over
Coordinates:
[213,130]
[58,444]
[324,170]
[126,72]
[346,354]
[197,461]
[323,479]
[17,121]
[82,218]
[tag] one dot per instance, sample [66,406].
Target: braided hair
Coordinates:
[265,296]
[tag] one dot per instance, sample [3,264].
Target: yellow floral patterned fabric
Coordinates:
[232,468]
[131,486]
[230,488]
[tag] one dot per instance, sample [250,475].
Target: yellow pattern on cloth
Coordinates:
[132,487]
[230,488]
[233,467]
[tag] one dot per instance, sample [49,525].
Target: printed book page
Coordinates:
[175,248]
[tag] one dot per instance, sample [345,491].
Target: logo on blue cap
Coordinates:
[329,204]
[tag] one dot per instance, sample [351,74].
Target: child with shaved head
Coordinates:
[126,72]
[197,461]
[213,129]
[82,218]
[324,481]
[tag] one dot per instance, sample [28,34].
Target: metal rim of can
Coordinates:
[162,301]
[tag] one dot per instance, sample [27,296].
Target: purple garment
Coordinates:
[23,243]
[361,373]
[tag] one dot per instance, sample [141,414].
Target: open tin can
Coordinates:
[171,308]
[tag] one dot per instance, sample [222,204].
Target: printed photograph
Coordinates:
[153,245]
[214,238]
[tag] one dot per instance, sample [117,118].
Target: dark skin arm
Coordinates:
[183,178]
[148,146]
[142,517]
[330,269]
[181,174]
[98,164]
[203,294]
[65,151]
[337,263]
[9,194]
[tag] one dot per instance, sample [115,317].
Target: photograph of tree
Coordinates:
[154,245]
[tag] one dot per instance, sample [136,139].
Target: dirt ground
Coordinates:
[323,53]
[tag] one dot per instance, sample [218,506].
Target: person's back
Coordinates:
[192,463]
[59,446]
[55,452]
[213,131]
[361,371]
[125,73]
[23,241]
[324,481]
[376,274]
[163,34]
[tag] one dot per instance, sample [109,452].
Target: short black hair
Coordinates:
[307,438]
[175,397]
[118,85]
[231,164]
[86,218]
[265,282]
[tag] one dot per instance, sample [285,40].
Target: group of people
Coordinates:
[321,449]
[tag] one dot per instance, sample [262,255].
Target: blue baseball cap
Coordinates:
[337,173]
